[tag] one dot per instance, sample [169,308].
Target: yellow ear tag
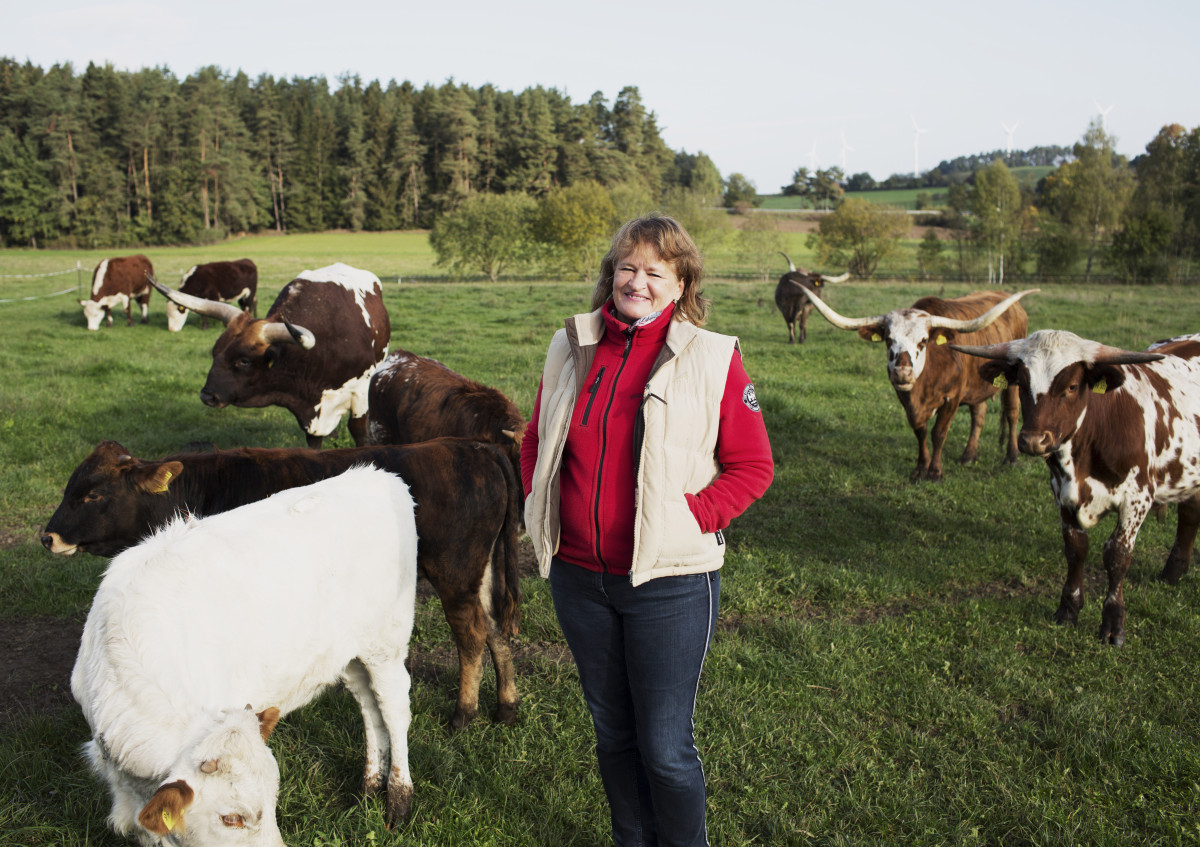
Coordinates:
[1000,381]
[168,819]
[876,337]
[941,339]
[163,488]
[1100,387]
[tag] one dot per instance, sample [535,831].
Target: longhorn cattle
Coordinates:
[118,282]
[793,294]
[201,637]
[413,399]
[313,354]
[1119,432]
[224,281]
[928,377]
[467,524]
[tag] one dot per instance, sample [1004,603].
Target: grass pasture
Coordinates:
[885,671]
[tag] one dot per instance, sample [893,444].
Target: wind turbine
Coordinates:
[916,147]
[812,157]
[1103,112]
[1009,130]
[845,147]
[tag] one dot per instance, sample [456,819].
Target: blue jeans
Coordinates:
[640,652]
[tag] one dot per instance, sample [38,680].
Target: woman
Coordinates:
[645,441]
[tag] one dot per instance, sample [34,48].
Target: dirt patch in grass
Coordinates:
[35,666]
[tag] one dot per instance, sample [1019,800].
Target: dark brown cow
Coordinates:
[1120,432]
[793,294]
[930,378]
[118,282]
[467,524]
[224,281]
[413,398]
[313,354]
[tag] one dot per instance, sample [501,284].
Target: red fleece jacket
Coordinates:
[598,471]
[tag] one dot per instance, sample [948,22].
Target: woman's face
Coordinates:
[643,284]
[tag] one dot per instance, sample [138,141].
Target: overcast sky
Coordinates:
[755,84]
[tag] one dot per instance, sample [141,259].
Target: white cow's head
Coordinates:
[95,310]
[176,316]
[222,791]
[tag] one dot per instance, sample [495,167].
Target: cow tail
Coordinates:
[508,601]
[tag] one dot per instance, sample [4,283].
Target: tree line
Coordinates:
[117,158]
[1139,220]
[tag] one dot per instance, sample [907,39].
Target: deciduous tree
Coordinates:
[858,235]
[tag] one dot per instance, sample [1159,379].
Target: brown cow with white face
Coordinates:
[929,377]
[118,282]
[228,282]
[792,295]
[1120,432]
[313,354]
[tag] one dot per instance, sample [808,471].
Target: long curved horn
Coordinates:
[986,319]
[209,308]
[288,333]
[991,351]
[791,267]
[842,322]
[841,278]
[1116,356]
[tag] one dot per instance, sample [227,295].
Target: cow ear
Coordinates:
[874,332]
[941,335]
[157,479]
[267,719]
[1102,378]
[998,372]
[164,811]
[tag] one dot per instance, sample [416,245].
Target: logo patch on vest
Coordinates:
[749,398]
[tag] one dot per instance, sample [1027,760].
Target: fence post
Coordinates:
[78,279]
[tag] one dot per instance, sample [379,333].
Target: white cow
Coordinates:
[201,637]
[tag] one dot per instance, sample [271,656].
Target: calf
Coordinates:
[226,282]
[467,523]
[1120,432]
[414,399]
[929,377]
[118,282]
[201,637]
[793,294]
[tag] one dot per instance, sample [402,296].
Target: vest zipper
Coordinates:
[604,447]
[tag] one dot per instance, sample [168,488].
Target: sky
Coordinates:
[761,87]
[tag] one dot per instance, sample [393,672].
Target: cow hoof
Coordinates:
[1172,573]
[1066,615]
[506,713]
[462,717]
[1114,639]
[965,459]
[399,803]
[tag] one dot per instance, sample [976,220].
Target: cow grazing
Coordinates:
[793,293]
[227,282]
[118,282]
[413,399]
[929,377]
[1119,433]
[201,637]
[467,524]
[313,354]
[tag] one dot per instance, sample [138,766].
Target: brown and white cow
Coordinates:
[228,282]
[467,524]
[930,378]
[313,354]
[793,293]
[1120,432]
[118,282]
[413,399]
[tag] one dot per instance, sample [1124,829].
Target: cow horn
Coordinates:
[215,309]
[841,278]
[984,320]
[991,351]
[791,266]
[285,332]
[843,322]
[1116,356]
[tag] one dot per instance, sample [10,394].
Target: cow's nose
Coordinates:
[47,540]
[1034,443]
[209,399]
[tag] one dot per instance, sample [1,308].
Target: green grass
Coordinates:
[886,670]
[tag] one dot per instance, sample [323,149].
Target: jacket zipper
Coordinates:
[587,410]
[604,446]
